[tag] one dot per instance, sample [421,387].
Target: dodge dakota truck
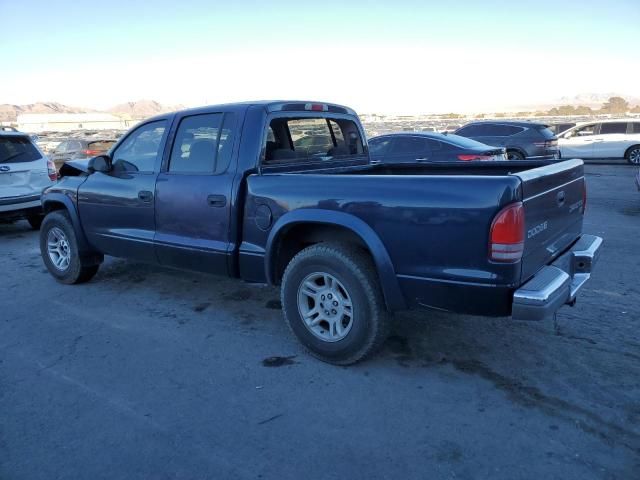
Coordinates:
[284,192]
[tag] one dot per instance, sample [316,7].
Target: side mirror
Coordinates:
[101,163]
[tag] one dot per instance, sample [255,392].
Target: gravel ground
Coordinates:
[153,373]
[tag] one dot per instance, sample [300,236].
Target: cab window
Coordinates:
[141,149]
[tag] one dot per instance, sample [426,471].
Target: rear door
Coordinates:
[408,148]
[193,194]
[553,204]
[117,208]
[611,141]
[23,171]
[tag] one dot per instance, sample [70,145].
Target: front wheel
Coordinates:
[333,304]
[633,155]
[59,250]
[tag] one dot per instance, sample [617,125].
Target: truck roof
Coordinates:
[270,106]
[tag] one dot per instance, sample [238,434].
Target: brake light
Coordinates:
[51,171]
[506,237]
[316,107]
[91,152]
[469,158]
[546,143]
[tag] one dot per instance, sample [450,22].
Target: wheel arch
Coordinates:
[628,151]
[298,229]
[57,201]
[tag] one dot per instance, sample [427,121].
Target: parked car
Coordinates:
[24,172]
[603,139]
[522,140]
[430,147]
[348,240]
[78,148]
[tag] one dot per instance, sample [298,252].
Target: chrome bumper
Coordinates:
[557,284]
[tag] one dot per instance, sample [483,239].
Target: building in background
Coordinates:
[65,122]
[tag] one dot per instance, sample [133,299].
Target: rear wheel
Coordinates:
[332,302]
[633,155]
[514,155]
[59,250]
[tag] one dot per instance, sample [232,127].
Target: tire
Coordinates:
[57,225]
[633,155]
[514,155]
[365,323]
[35,221]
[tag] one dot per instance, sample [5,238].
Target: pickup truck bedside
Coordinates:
[557,284]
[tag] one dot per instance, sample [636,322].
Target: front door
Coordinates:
[193,195]
[117,208]
[578,143]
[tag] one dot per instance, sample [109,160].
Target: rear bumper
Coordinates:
[559,283]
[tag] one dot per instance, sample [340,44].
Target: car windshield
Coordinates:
[17,149]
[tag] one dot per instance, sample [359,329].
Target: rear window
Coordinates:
[310,139]
[102,145]
[16,149]
[546,131]
[464,142]
[614,127]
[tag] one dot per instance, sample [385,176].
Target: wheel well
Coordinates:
[53,205]
[629,149]
[516,149]
[299,236]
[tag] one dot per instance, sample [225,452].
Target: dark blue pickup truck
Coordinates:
[284,192]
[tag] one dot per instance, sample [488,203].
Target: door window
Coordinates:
[203,144]
[615,127]
[585,131]
[140,150]
[379,146]
[409,145]
[635,127]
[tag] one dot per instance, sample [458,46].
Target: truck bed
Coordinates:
[434,220]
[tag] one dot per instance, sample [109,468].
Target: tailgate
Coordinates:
[553,198]
[21,179]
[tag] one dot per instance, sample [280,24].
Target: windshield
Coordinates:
[17,149]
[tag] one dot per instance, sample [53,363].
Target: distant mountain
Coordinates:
[595,99]
[9,113]
[138,109]
[143,108]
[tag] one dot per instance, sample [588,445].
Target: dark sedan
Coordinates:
[430,147]
[76,149]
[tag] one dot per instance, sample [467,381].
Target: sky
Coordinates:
[403,57]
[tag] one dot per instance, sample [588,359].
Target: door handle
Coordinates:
[216,200]
[422,159]
[145,195]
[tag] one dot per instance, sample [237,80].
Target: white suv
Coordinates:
[24,172]
[603,139]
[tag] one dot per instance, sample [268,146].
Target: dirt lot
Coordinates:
[153,373]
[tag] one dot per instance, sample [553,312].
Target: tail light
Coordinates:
[91,152]
[506,237]
[51,171]
[469,158]
[584,196]
[547,143]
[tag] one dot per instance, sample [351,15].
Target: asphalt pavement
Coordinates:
[146,372]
